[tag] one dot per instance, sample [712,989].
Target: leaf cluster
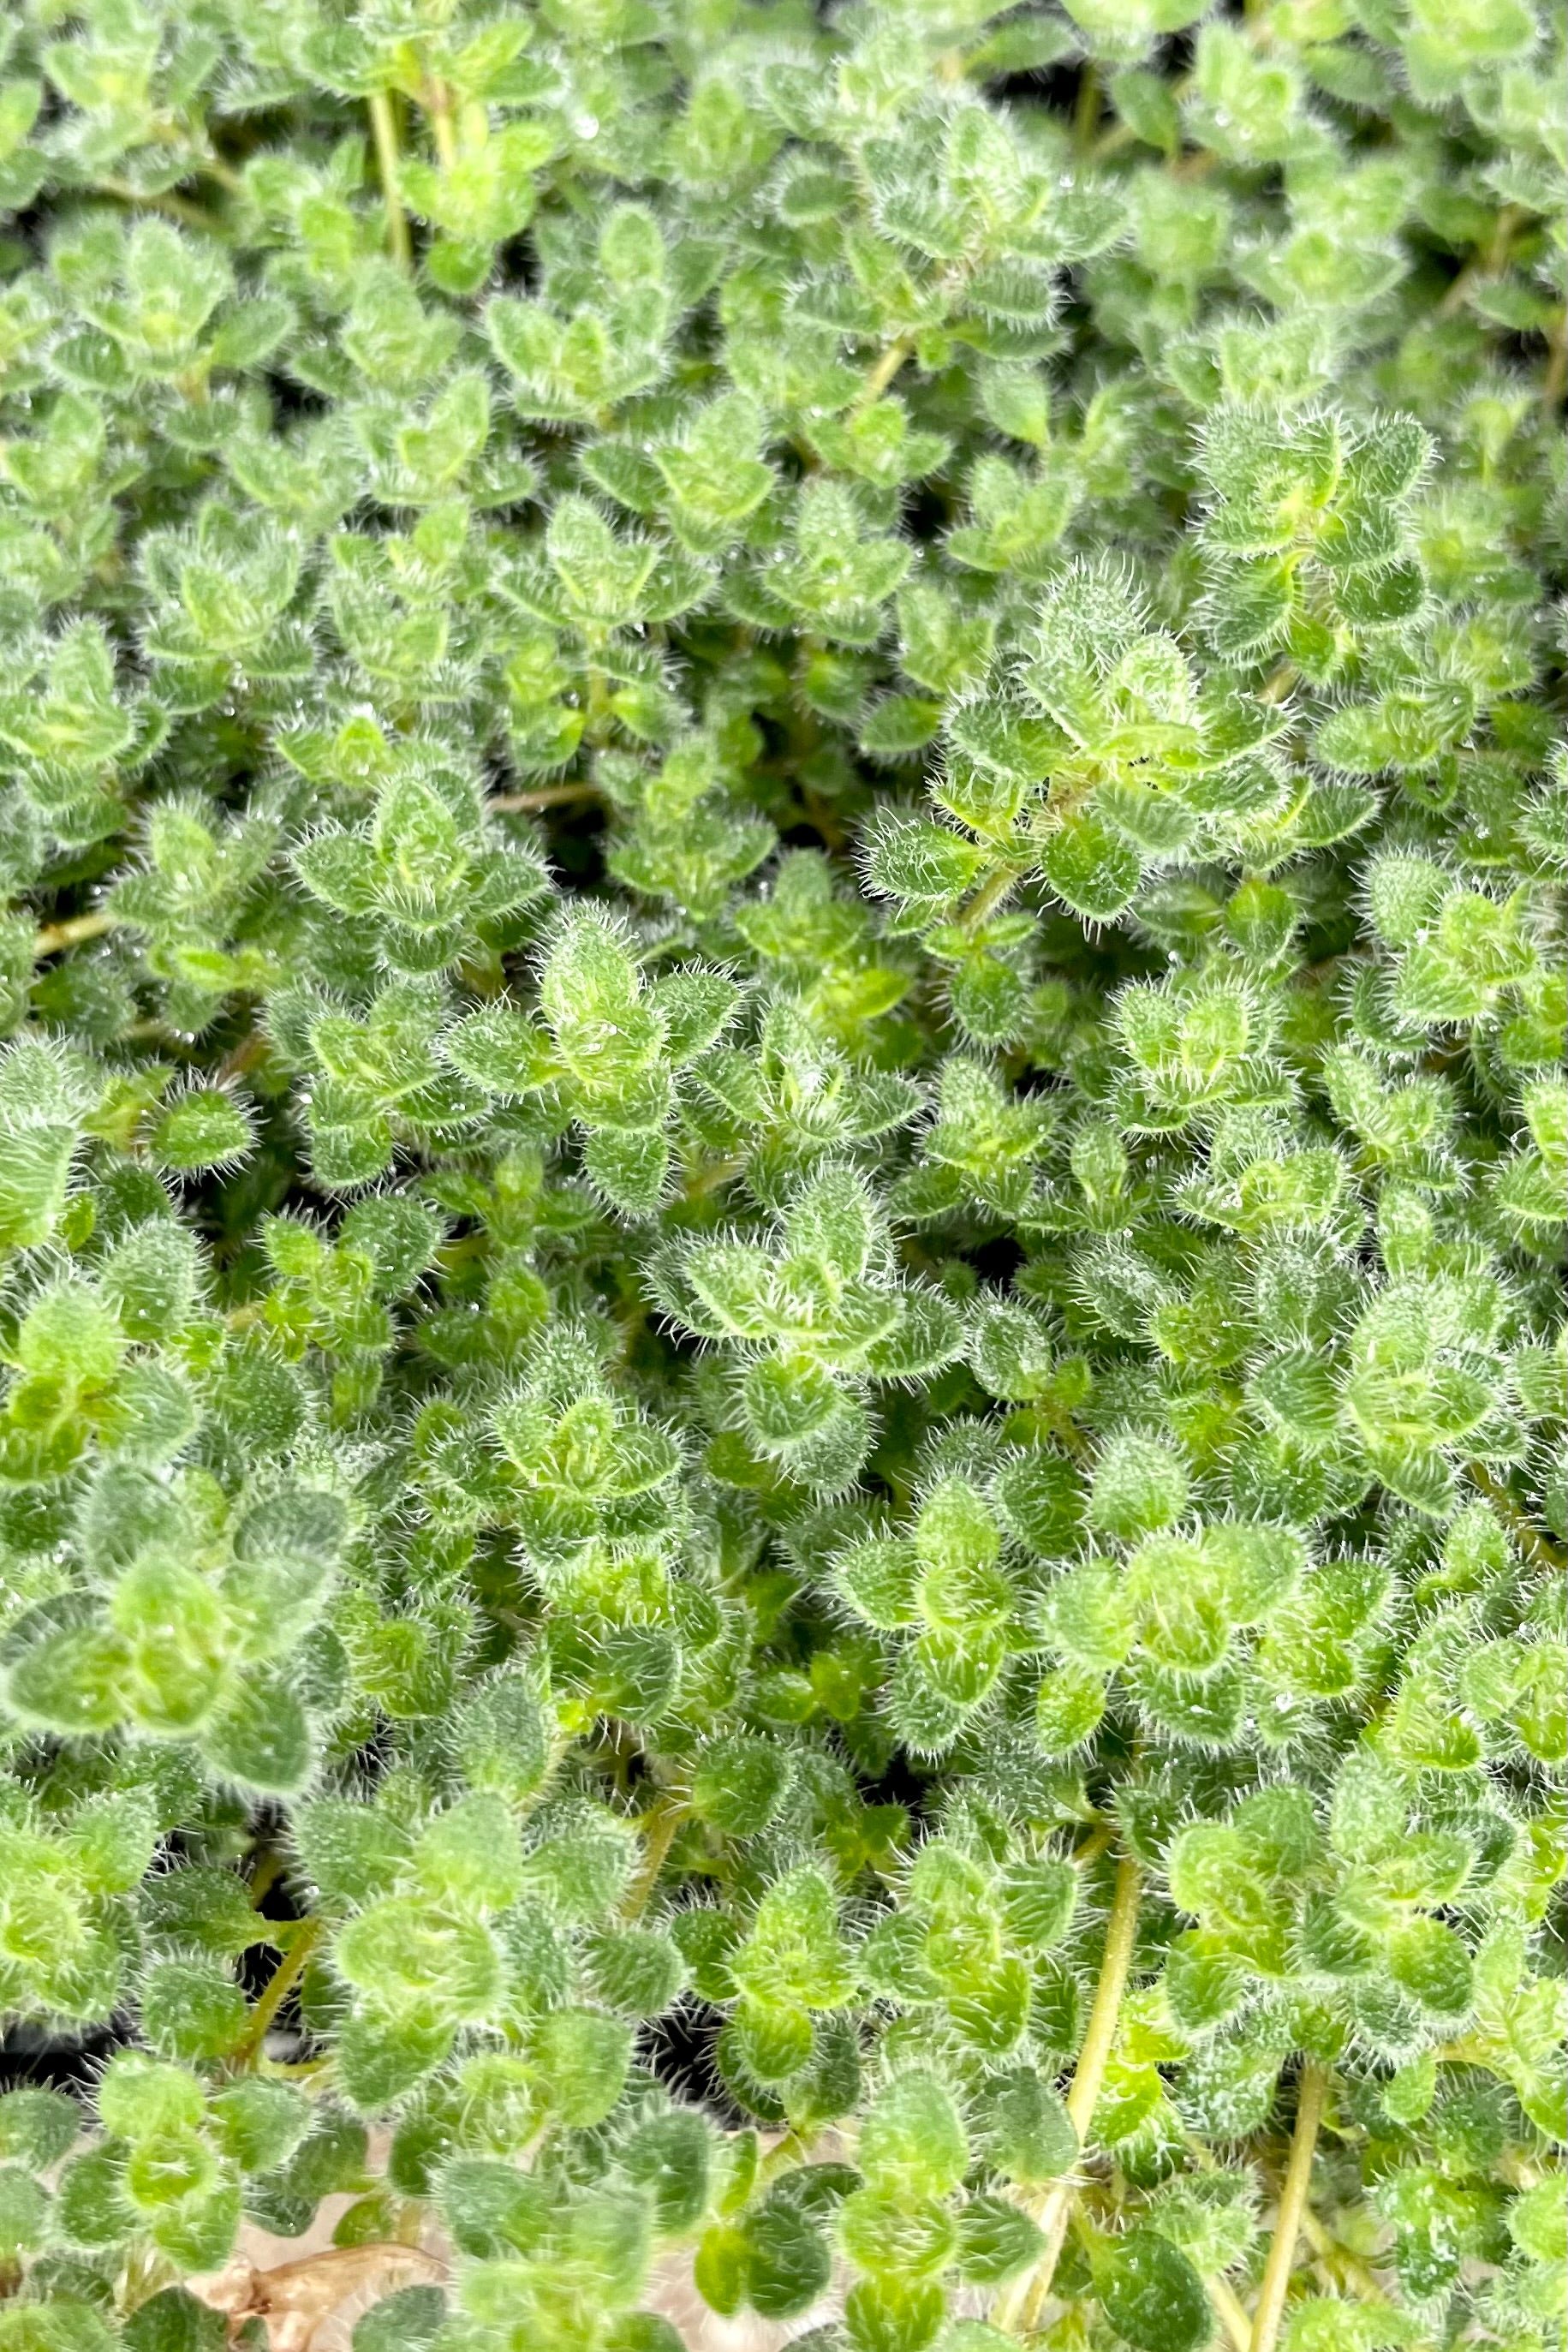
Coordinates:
[782,1167]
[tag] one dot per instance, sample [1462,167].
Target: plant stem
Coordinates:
[546,796]
[1228,2304]
[1555,381]
[1086,113]
[1526,1534]
[275,1992]
[598,716]
[881,375]
[298,2069]
[251,1048]
[704,1180]
[1111,142]
[438,106]
[659,1824]
[267,1874]
[1348,2268]
[1233,2312]
[787,2152]
[383,129]
[1490,261]
[189,213]
[1064,1429]
[1293,2205]
[1002,878]
[211,166]
[71,933]
[1027,2296]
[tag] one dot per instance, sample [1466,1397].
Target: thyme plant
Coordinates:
[782,1170]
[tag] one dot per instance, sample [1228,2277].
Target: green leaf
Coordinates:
[1092,870]
[1029,2135]
[1152,2296]
[260,1737]
[787,2262]
[583,2058]
[913,2139]
[1430,1961]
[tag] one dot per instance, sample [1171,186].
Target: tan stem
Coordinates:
[1281,2259]
[1227,2302]
[1086,113]
[1004,877]
[599,716]
[275,1992]
[1111,142]
[545,796]
[882,373]
[1064,1429]
[1555,381]
[1347,2268]
[438,105]
[267,1871]
[1233,2312]
[1526,1534]
[1027,2296]
[211,166]
[659,1824]
[1489,262]
[173,207]
[704,1180]
[71,933]
[383,129]
[251,1048]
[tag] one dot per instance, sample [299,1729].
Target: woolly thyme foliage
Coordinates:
[782,1166]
